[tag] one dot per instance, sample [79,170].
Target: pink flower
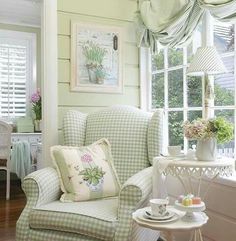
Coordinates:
[86,158]
[35,97]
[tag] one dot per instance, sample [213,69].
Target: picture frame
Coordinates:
[96,58]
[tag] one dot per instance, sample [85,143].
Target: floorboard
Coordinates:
[10,210]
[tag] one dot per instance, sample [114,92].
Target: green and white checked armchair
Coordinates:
[135,138]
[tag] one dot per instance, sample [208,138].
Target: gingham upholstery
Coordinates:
[126,129]
[155,134]
[74,127]
[50,235]
[42,187]
[93,218]
[133,194]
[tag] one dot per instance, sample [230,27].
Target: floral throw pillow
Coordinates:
[86,172]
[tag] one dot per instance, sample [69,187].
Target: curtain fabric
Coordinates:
[172,23]
[223,10]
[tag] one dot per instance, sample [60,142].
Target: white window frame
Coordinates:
[146,100]
[30,38]
[146,82]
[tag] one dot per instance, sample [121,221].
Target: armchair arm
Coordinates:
[134,192]
[40,187]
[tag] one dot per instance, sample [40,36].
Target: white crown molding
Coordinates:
[10,22]
[21,12]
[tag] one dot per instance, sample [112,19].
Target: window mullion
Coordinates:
[166,98]
[234,153]
[185,89]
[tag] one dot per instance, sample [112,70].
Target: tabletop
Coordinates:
[177,225]
[222,166]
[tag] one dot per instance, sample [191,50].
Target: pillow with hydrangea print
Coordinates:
[86,172]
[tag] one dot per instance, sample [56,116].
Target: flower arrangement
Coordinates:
[37,105]
[94,54]
[94,61]
[202,129]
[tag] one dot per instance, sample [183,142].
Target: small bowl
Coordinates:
[174,150]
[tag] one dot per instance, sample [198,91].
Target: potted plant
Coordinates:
[100,74]
[37,109]
[208,133]
[94,57]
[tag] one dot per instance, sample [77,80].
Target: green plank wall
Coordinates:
[112,12]
[27,29]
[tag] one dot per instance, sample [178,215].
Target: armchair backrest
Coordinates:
[134,135]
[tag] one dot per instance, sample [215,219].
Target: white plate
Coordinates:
[168,215]
[143,218]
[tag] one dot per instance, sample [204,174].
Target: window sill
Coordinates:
[227,181]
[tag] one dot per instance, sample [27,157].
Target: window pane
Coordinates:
[196,42]
[190,52]
[13,77]
[175,85]
[224,84]
[175,57]
[175,128]
[158,90]
[192,115]
[226,149]
[194,85]
[158,61]
[224,37]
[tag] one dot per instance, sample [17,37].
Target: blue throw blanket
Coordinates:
[21,159]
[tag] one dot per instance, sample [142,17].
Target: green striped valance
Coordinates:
[172,23]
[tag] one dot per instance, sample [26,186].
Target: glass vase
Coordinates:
[37,125]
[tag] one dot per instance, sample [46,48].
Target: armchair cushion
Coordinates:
[86,172]
[91,218]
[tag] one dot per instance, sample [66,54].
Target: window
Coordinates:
[17,72]
[224,84]
[181,96]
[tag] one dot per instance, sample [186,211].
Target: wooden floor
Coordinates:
[10,210]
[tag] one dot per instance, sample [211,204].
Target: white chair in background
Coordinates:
[5,152]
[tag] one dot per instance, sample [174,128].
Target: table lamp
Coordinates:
[206,62]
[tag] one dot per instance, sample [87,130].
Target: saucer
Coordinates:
[179,155]
[147,214]
[147,219]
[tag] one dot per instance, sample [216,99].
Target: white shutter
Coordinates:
[14,74]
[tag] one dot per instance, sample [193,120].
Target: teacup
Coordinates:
[158,206]
[174,150]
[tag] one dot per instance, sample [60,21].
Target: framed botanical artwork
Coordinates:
[96,58]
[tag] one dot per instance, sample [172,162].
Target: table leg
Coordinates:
[168,235]
[197,235]
[209,185]
[200,235]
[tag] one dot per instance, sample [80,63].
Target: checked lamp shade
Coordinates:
[206,61]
